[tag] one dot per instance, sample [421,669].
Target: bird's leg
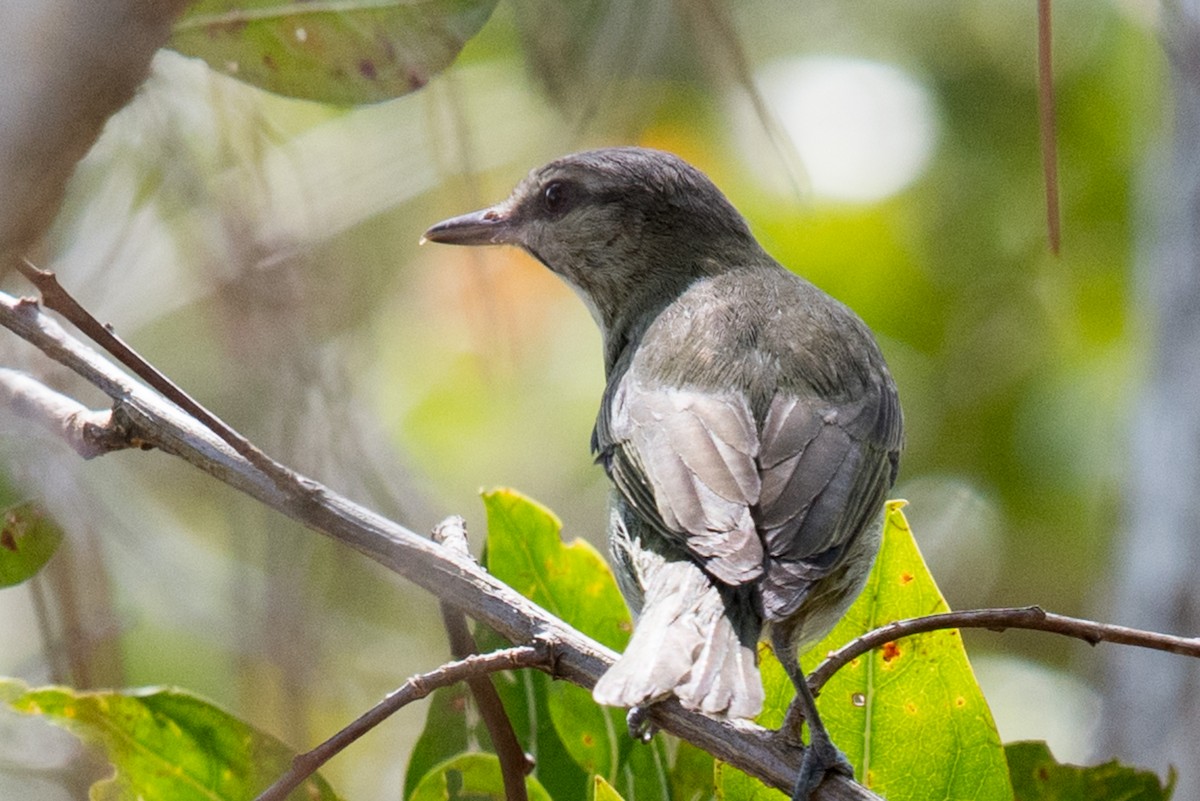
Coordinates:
[821,755]
[641,728]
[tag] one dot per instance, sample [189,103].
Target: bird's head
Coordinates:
[628,228]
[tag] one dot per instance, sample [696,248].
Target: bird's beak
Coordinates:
[490,226]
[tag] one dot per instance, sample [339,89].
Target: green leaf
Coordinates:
[571,580]
[27,541]
[1036,776]
[692,774]
[359,51]
[603,791]
[646,773]
[733,785]
[524,695]
[910,716]
[166,745]
[588,730]
[471,777]
[444,735]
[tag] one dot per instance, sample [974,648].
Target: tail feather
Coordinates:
[685,644]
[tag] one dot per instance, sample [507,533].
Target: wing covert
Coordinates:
[686,460]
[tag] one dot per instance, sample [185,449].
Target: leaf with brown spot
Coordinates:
[358,52]
[911,724]
[28,540]
[897,720]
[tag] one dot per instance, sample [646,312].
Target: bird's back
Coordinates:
[754,370]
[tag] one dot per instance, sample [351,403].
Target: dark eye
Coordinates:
[556,197]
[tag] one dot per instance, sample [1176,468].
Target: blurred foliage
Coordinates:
[262,251]
[1038,777]
[27,541]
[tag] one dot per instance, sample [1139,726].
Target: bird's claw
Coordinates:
[641,728]
[820,758]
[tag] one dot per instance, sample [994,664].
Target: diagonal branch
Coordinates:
[471,668]
[149,420]
[55,297]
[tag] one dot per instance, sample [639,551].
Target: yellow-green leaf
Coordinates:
[166,745]
[572,581]
[910,716]
[603,791]
[733,785]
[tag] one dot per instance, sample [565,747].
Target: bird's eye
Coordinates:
[556,197]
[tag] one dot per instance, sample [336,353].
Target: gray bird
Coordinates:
[749,425]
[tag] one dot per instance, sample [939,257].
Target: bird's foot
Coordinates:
[641,728]
[820,758]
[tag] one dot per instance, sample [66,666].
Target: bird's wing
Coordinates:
[686,461]
[826,469]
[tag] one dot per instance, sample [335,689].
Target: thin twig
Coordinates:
[714,22]
[1033,618]
[56,298]
[474,666]
[515,764]
[89,433]
[1046,125]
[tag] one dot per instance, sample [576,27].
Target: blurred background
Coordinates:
[263,252]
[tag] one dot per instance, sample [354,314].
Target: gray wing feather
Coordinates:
[687,461]
[825,472]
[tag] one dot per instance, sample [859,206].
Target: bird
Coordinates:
[749,425]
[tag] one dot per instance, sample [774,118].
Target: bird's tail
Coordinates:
[692,641]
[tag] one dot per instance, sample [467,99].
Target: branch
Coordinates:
[55,297]
[1027,617]
[473,668]
[147,419]
[89,433]
[515,764]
